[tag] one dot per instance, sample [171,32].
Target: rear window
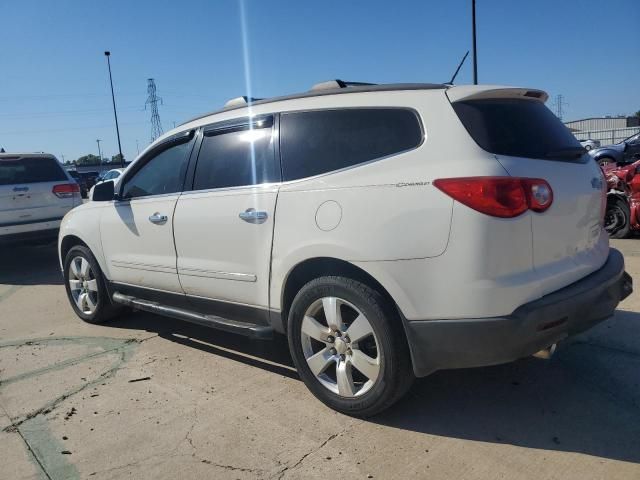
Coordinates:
[519,128]
[322,141]
[30,170]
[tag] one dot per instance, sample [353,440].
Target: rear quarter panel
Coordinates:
[386,210]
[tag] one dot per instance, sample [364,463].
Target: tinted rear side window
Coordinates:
[30,170]
[519,128]
[317,142]
[237,157]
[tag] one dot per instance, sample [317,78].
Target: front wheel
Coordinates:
[617,218]
[86,287]
[348,345]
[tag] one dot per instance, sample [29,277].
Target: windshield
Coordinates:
[632,139]
[519,128]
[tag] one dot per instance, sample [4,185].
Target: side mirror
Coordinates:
[103,192]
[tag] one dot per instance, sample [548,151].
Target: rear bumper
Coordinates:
[444,344]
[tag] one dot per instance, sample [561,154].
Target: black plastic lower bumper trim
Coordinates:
[445,344]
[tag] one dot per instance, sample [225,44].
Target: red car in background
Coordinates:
[623,198]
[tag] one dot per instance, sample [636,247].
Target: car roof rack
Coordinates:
[241,102]
[331,84]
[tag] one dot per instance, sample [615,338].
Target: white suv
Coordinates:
[388,230]
[35,193]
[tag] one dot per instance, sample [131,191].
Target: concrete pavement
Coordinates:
[150,397]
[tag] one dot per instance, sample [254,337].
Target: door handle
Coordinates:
[157,218]
[251,215]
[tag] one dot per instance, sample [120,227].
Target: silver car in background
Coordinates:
[35,193]
[590,144]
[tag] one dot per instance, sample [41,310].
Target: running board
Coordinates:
[212,321]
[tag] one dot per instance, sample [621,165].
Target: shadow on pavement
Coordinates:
[586,399]
[271,355]
[30,265]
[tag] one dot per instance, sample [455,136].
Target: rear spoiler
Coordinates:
[471,92]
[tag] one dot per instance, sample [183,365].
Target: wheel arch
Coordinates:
[606,153]
[316,267]
[67,243]
[70,240]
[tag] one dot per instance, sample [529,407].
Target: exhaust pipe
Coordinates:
[546,353]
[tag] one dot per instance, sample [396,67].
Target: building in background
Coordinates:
[608,130]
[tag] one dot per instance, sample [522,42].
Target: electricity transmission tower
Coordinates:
[558,103]
[152,101]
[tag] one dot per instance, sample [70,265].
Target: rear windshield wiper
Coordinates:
[569,152]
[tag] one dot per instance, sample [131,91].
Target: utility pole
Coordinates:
[137,147]
[99,151]
[475,52]
[115,114]
[558,103]
[152,101]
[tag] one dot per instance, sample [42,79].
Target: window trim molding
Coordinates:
[172,141]
[231,126]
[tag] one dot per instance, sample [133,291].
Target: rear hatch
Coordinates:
[529,141]
[27,190]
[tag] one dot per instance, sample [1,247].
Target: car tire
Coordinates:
[619,208]
[588,147]
[359,375]
[86,287]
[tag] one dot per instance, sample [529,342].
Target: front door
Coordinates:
[224,226]
[137,228]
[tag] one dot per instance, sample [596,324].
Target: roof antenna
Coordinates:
[459,67]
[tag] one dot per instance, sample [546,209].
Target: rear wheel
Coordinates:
[617,219]
[86,287]
[348,346]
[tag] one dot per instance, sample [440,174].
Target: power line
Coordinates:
[152,101]
[558,105]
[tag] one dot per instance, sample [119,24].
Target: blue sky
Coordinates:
[54,91]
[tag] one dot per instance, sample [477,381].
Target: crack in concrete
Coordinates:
[64,363]
[32,427]
[288,468]
[206,461]
[32,454]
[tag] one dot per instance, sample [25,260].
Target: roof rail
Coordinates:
[240,101]
[331,84]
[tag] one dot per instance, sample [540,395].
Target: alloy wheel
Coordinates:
[340,347]
[83,285]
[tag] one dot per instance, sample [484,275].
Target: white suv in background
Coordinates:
[35,193]
[388,230]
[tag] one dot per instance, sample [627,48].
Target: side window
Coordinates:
[163,174]
[237,156]
[321,141]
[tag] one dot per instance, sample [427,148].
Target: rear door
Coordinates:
[530,141]
[26,190]
[224,226]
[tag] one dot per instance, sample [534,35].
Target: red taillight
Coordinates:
[66,190]
[503,197]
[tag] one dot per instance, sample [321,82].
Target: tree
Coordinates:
[116,159]
[90,159]
[637,114]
